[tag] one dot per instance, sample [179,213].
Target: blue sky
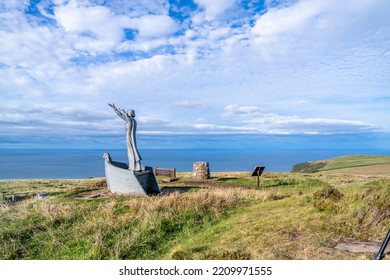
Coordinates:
[196,72]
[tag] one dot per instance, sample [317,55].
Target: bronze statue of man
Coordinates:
[131,127]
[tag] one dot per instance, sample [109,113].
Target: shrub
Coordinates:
[375,206]
[308,167]
[234,254]
[326,198]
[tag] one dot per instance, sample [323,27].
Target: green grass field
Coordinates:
[344,162]
[293,216]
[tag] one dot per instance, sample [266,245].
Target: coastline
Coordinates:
[83,164]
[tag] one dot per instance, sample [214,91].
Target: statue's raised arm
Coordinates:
[121,114]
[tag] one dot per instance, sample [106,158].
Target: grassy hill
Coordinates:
[382,163]
[293,216]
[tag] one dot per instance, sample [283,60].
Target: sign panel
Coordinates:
[258,171]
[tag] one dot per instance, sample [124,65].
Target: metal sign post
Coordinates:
[381,253]
[257,172]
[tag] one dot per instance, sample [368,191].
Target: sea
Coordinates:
[89,163]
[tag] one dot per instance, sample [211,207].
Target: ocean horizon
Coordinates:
[87,163]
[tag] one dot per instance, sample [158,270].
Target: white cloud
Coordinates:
[189,104]
[216,7]
[153,122]
[98,29]
[312,28]
[245,112]
[25,45]
[52,119]
[14,4]
[292,19]
[308,15]
[204,126]
[252,117]
[136,8]
[156,25]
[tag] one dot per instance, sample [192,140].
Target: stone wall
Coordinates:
[201,171]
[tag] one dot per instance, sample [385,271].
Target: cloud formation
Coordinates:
[193,67]
[255,119]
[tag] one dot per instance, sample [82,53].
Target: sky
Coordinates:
[198,73]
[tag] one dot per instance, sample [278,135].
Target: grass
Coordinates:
[293,216]
[27,188]
[125,227]
[355,161]
[344,162]
[305,226]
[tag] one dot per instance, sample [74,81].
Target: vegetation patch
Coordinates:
[326,198]
[124,227]
[237,254]
[293,216]
[308,167]
[340,163]
[375,205]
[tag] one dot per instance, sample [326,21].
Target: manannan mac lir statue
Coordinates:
[129,178]
[131,127]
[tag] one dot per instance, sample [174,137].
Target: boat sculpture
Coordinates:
[121,180]
[131,178]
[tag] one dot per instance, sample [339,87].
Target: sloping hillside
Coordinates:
[354,163]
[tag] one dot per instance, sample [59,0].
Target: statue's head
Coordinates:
[131,113]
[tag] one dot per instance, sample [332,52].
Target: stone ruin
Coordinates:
[201,171]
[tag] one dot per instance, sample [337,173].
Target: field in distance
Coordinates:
[355,164]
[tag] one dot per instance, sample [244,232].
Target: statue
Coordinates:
[131,127]
[129,178]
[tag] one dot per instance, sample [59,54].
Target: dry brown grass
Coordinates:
[382,170]
[115,227]
[229,222]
